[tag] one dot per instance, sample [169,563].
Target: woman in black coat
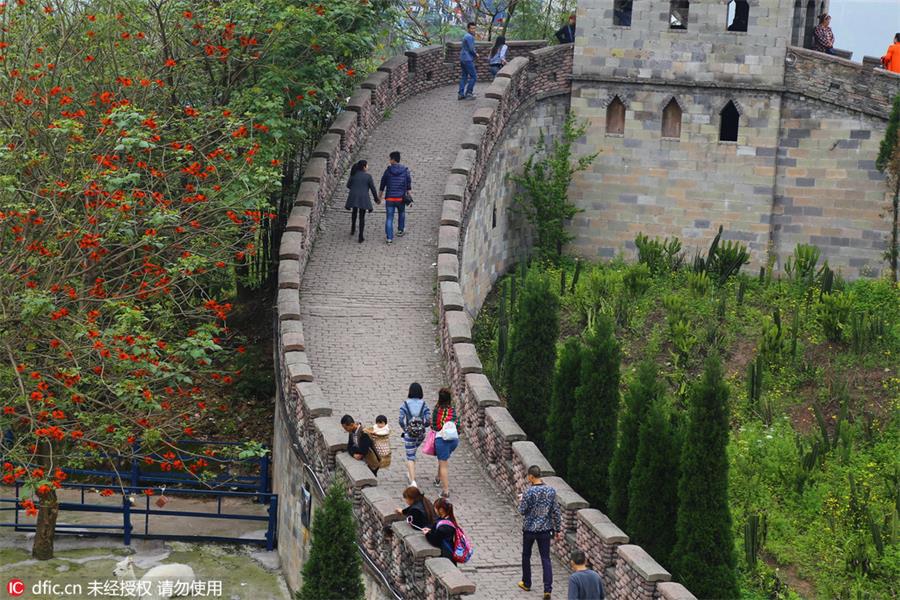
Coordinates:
[360,184]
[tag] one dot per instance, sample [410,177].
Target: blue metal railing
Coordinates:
[127,510]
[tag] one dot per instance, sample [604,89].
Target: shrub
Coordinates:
[801,267]
[659,255]
[334,569]
[596,292]
[704,559]
[698,283]
[643,391]
[636,280]
[544,185]
[532,353]
[562,405]
[834,314]
[653,489]
[596,413]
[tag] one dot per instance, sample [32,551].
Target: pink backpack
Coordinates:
[462,548]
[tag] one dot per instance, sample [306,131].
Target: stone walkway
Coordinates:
[369,318]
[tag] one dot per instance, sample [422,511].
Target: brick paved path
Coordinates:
[369,319]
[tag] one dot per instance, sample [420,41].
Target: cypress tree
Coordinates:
[653,490]
[334,569]
[596,414]
[562,405]
[703,558]
[532,354]
[640,395]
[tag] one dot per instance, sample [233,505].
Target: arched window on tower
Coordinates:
[810,24]
[622,12]
[678,14]
[738,15]
[729,122]
[671,120]
[615,117]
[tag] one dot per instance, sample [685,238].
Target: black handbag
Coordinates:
[407,198]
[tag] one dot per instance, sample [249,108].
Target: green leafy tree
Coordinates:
[644,390]
[334,569]
[562,405]
[888,162]
[704,559]
[532,353]
[653,489]
[596,414]
[544,184]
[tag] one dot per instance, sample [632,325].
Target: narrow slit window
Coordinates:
[738,15]
[671,120]
[615,117]
[622,12]
[730,120]
[678,14]
[494,217]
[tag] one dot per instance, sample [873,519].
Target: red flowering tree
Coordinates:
[140,146]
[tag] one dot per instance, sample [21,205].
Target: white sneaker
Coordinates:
[413,483]
[390,241]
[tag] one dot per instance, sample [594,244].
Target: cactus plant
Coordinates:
[576,276]
[755,530]
[562,283]
[741,290]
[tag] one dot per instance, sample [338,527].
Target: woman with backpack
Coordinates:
[447,535]
[445,425]
[419,511]
[414,415]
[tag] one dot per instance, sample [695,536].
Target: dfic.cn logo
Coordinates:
[15,587]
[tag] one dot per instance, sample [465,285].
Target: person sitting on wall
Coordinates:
[823,37]
[358,443]
[891,59]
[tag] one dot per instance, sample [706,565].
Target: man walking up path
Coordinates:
[467,56]
[543,520]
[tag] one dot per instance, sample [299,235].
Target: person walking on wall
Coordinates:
[360,185]
[445,424]
[542,520]
[414,417]
[497,59]
[566,33]
[584,583]
[891,59]
[419,511]
[823,37]
[396,184]
[467,56]
[358,443]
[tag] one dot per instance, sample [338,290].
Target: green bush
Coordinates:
[596,412]
[704,559]
[834,314]
[643,391]
[597,291]
[532,353]
[333,569]
[659,255]
[653,489]
[562,405]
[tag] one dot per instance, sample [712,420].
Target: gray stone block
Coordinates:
[292,336]
[358,473]
[669,590]
[455,188]
[448,267]
[474,137]
[451,296]
[467,357]
[482,390]
[308,194]
[450,577]
[498,88]
[297,365]
[568,498]
[314,399]
[505,423]
[288,305]
[465,160]
[375,80]
[530,455]
[315,170]
[332,433]
[448,240]
[384,505]
[328,146]
[289,270]
[458,327]
[451,212]
[299,219]
[643,563]
[291,245]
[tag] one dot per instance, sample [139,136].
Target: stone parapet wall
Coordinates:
[494,434]
[838,81]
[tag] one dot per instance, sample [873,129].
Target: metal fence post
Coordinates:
[263,476]
[135,465]
[126,517]
[273,522]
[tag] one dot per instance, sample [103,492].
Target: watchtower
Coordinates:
[702,115]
